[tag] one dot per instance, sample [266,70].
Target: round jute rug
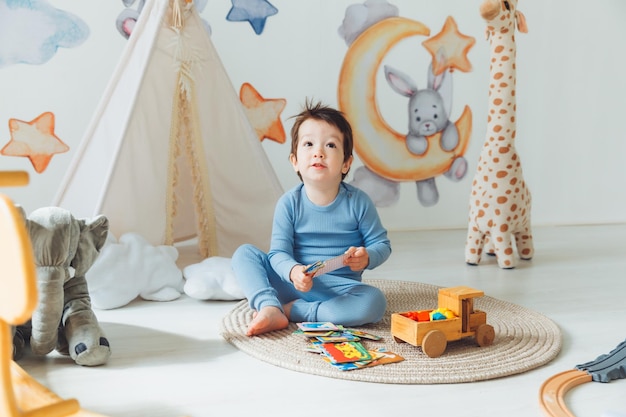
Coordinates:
[524,340]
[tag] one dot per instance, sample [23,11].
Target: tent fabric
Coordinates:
[169,153]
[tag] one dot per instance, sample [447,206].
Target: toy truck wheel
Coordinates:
[434,343]
[485,335]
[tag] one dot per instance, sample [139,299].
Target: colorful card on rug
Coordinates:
[315,333]
[318,326]
[338,337]
[345,352]
[362,334]
[384,359]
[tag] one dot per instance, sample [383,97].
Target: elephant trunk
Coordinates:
[47,317]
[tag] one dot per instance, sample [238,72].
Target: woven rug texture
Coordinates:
[524,340]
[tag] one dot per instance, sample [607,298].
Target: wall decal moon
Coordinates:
[378,145]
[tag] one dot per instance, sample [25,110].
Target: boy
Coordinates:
[316,220]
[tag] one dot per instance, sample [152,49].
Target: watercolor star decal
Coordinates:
[263,114]
[452,45]
[253,11]
[35,140]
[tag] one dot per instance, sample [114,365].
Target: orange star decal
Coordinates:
[263,114]
[35,140]
[449,48]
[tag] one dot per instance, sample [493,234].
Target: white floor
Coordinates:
[169,359]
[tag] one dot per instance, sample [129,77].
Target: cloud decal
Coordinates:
[359,17]
[33,31]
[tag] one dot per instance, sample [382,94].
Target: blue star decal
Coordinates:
[253,11]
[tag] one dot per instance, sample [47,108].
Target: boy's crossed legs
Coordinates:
[335,299]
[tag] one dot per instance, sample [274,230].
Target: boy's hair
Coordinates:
[333,117]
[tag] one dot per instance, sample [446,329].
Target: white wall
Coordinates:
[571,96]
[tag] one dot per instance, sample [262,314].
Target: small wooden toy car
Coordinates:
[434,335]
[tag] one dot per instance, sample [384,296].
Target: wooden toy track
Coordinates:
[603,369]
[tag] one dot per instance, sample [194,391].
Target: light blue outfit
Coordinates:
[303,233]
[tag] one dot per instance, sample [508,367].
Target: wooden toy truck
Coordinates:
[433,336]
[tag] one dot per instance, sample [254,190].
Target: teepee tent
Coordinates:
[169,153]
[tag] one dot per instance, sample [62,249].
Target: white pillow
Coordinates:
[133,267]
[212,279]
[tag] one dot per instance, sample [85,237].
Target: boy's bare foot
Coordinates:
[267,320]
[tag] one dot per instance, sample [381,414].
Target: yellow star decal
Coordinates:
[263,114]
[35,140]
[449,48]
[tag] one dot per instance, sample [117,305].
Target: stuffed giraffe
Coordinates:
[500,201]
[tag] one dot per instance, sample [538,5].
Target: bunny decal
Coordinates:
[428,113]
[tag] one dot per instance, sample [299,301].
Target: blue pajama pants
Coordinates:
[333,298]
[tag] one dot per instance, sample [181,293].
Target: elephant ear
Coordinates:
[93,235]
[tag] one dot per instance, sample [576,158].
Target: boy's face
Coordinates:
[319,155]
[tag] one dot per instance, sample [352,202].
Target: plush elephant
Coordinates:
[64,249]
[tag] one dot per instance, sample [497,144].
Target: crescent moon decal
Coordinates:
[381,148]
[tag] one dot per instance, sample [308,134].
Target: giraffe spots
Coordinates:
[497,128]
[498,75]
[508,251]
[481,213]
[502,199]
[501,174]
[497,102]
[504,228]
[513,181]
[503,149]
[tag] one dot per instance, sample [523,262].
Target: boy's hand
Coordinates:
[301,280]
[357,258]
